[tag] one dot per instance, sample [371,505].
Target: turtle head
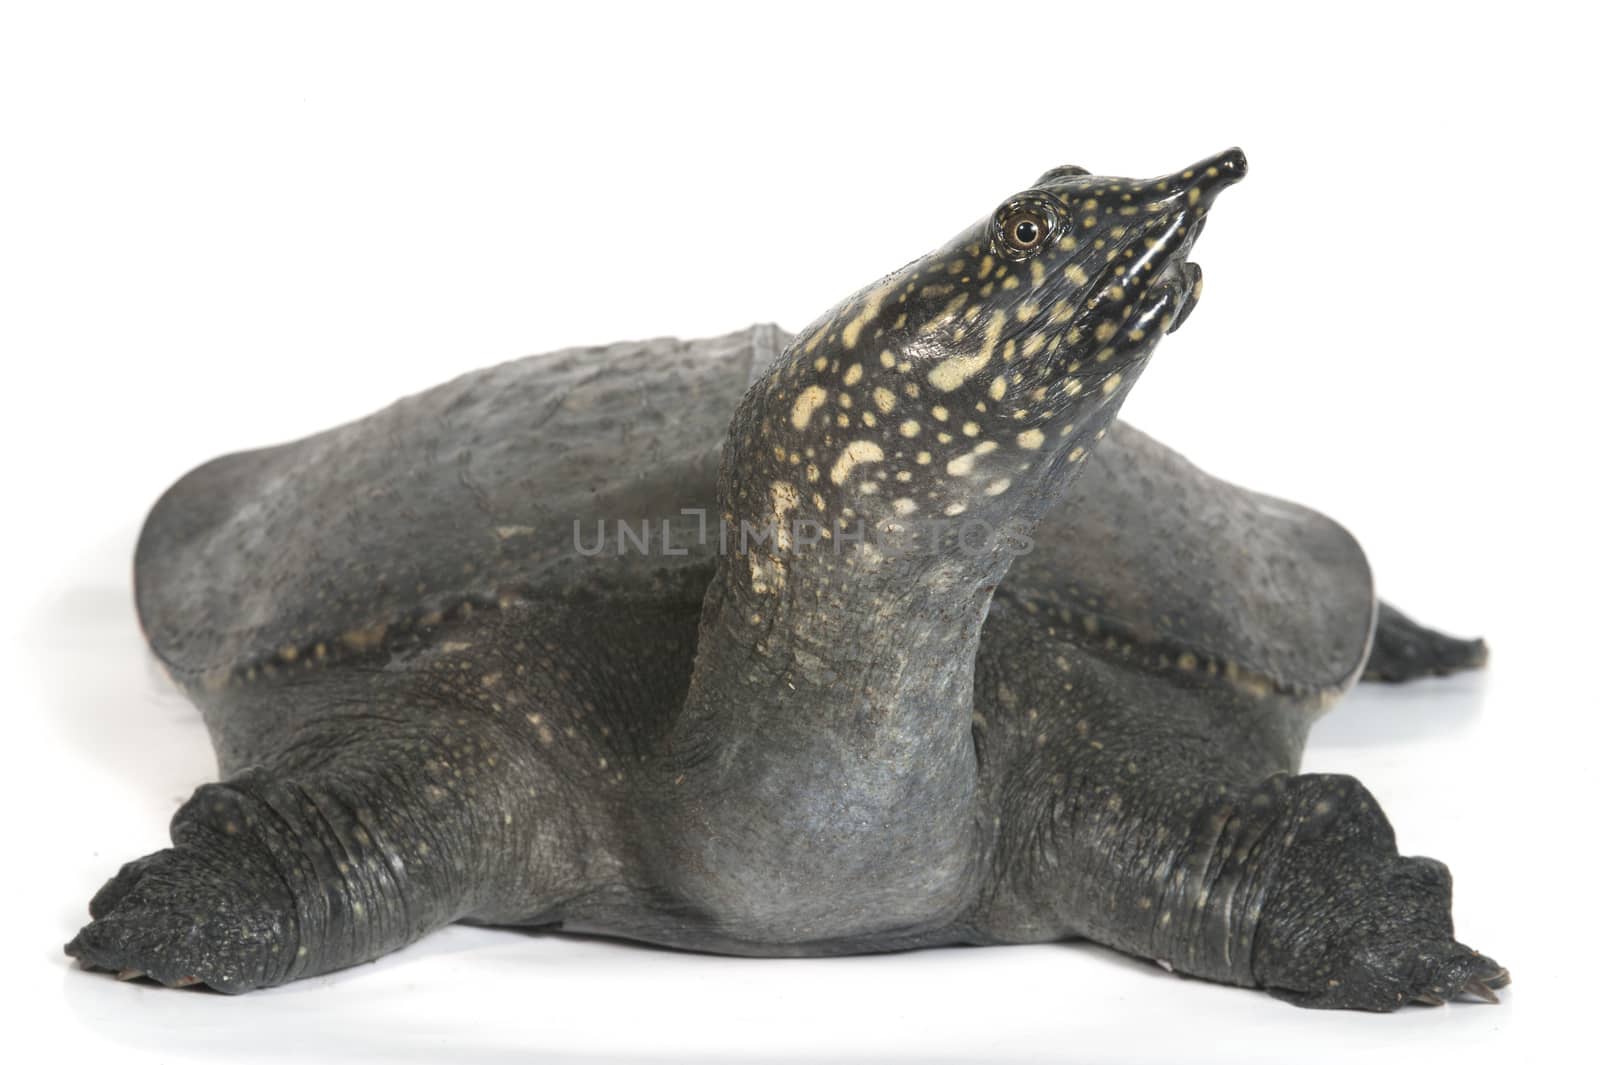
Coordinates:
[1065,286]
[971,379]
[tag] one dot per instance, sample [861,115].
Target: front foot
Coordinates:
[189,915]
[1382,977]
[272,879]
[1352,925]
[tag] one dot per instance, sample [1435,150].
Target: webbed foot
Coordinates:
[1404,650]
[190,915]
[1385,977]
[1350,924]
[271,879]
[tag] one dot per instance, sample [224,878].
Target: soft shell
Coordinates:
[493,487]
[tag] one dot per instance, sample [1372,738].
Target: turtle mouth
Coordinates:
[1179,281]
[1159,281]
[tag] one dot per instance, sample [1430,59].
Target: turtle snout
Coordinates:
[1200,183]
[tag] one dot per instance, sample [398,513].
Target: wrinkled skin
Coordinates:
[932,651]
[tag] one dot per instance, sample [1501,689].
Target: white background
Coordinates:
[228,227]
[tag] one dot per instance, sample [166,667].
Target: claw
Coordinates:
[1427,998]
[1499,979]
[1482,990]
[186,981]
[130,974]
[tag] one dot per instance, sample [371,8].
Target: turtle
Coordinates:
[882,635]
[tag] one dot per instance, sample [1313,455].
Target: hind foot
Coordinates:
[1403,650]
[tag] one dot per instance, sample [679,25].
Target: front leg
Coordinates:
[1157,834]
[377,825]
[1346,922]
[271,878]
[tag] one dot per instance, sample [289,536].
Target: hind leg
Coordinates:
[1403,650]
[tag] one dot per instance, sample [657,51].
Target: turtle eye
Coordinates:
[1025,231]
[1022,228]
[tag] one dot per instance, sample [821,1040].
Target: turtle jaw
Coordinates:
[1199,185]
[1166,283]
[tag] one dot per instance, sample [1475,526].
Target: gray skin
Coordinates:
[1076,708]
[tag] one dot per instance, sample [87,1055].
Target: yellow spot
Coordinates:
[971,428]
[855,453]
[852,375]
[1075,454]
[905,506]
[364,639]
[997,388]
[785,498]
[1076,275]
[1030,439]
[953,372]
[961,465]
[955,508]
[924,457]
[1105,331]
[1194,196]
[951,309]
[996,487]
[806,405]
[908,429]
[1112,384]
[884,399]
[941,414]
[886,359]
[869,311]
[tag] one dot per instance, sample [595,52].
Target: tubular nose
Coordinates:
[1231,166]
[1209,176]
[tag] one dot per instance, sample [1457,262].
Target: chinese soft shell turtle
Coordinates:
[882,635]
